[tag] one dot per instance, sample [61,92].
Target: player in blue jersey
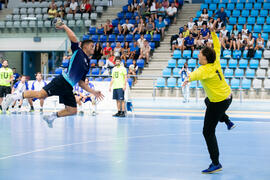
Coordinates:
[62,85]
[82,96]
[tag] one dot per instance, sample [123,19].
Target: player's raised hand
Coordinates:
[213,28]
[99,95]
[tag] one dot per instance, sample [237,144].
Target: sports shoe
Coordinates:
[212,169]
[122,114]
[117,114]
[230,125]
[10,98]
[49,119]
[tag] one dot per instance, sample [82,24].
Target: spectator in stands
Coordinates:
[134,51]
[171,12]
[67,3]
[222,15]
[251,41]
[166,4]
[141,41]
[82,7]
[209,42]
[239,41]
[132,71]
[200,23]
[108,28]
[232,41]
[189,43]
[205,16]
[190,24]
[184,72]
[15,75]
[125,28]
[199,42]
[259,42]
[145,52]
[97,52]
[160,27]
[88,7]
[107,51]
[52,4]
[210,23]
[176,4]
[161,10]
[110,62]
[245,32]
[235,30]
[179,43]
[143,10]
[52,12]
[150,27]
[118,48]
[73,7]
[205,32]
[125,52]
[185,32]
[224,32]
[153,8]
[141,28]
[219,25]
[61,12]
[195,32]
[132,7]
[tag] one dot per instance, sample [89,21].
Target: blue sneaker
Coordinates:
[212,169]
[230,125]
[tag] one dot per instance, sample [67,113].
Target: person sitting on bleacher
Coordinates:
[259,42]
[141,28]
[52,12]
[161,10]
[222,15]
[171,12]
[195,32]
[179,44]
[160,27]
[200,23]
[125,28]
[220,24]
[73,7]
[190,24]
[199,42]
[189,43]
[205,32]
[108,28]
[61,12]
[133,68]
[224,32]
[239,42]
[166,4]
[210,23]
[145,52]
[125,52]
[98,52]
[245,32]
[107,51]
[150,27]
[134,51]
[235,30]
[205,15]
[185,32]
[52,4]
[250,43]
[118,48]
[141,41]
[153,8]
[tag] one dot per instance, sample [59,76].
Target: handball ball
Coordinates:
[58,22]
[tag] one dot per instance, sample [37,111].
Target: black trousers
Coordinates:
[215,112]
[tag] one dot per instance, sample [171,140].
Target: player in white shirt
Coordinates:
[82,96]
[20,87]
[37,86]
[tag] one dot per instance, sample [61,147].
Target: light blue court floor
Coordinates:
[139,147]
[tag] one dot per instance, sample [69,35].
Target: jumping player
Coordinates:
[62,85]
[218,99]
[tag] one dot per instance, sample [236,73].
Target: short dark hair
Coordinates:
[117,58]
[86,42]
[38,73]
[210,54]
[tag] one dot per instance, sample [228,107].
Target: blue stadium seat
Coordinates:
[227,54]
[246,84]
[268,20]
[232,20]
[243,63]
[242,20]
[120,38]
[239,26]
[264,13]
[221,5]
[265,35]
[65,63]
[90,79]
[166,72]
[232,63]
[228,73]
[266,6]
[129,37]
[120,15]
[235,83]
[228,12]
[248,6]
[198,14]
[249,27]
[192,63]
[254,13]
[230,6]
[258,54]
[115,30]
[212,7]
[196,54]
[227,81]
[160,83]
[95,71]
[107,79]
[176,72]
[93,61]
[236,13]
[239,6]
[172,63]
[193,84]
[129,15]
[147,37]
[100,31]
[113,45]
[266,28]
[245,13]
[251,1]
[103,38]
[130,82]
[254,64]
[99,79]
[156,37]
[177,54]
[229,28]
[237,54]
[122,21]
[239,73]
[257,28]
[94,38]
[181,63]
[115,22]
[225,1]
[251,20]
[140,63]
[216,1]
[200,85]
[125,8]
[92,30]
[129,62]
[171,83]
[86,37]
[179,83]
[187,54]
[104,45]
[242,1]
[112,38]
[258,6]
[207,1]
[137,36]
[245,54]
[260,20]
[223,63]
[250,73]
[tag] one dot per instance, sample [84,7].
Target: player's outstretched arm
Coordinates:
[70,33]
[216,42]
[98,94]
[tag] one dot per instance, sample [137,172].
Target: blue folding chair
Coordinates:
[243,63]
[166,72]
[172,63]
[235,83]
[171,83]
[160,83]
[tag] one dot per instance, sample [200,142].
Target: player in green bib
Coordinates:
[119,83]
[6,78]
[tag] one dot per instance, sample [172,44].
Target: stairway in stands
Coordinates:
[159,60]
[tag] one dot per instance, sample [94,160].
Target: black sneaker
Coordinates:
[117,114]
[122,114]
